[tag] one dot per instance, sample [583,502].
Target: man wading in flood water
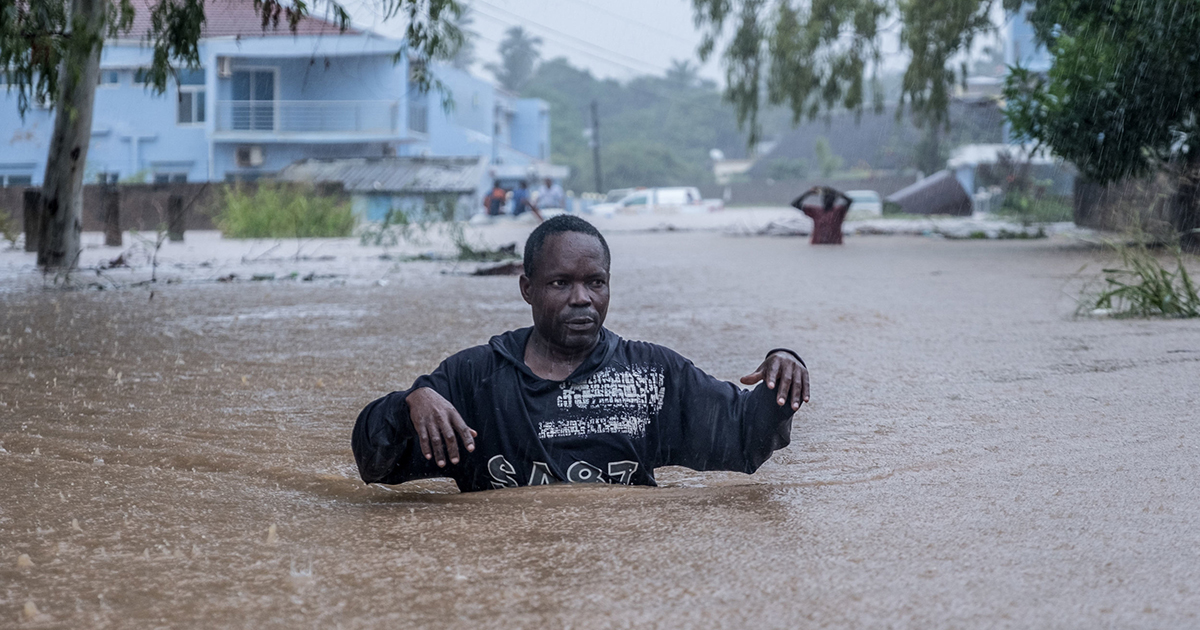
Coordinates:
[568,400]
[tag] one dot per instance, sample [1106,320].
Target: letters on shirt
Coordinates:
[503,473]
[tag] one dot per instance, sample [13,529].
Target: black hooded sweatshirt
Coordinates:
[629,408]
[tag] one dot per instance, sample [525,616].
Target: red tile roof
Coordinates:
[236,18]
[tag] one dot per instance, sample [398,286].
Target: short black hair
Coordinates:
[558,225]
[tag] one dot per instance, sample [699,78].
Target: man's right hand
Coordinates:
[439,426]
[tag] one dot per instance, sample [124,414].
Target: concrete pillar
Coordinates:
[33,214]
[111,205]
[176,220]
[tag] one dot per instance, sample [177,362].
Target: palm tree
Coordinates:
[518,56]
[683,72]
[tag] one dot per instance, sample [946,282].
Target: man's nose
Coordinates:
[580,296]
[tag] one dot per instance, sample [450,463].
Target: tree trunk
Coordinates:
[1185,207]
[62,187]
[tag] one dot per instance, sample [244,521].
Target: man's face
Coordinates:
[569,291]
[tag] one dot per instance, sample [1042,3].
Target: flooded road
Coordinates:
[973,456]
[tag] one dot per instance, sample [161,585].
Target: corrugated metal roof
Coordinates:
[939,193]
[392,174]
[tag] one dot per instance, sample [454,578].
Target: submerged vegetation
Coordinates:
[437,218]
[272,210]
[8,228]
[1144,287]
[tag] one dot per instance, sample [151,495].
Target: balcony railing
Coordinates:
[308,117]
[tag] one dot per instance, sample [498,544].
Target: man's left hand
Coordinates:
[784,374]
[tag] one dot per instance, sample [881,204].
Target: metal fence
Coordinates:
[308,116]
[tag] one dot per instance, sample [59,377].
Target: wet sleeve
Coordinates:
[384,441]
[709,424]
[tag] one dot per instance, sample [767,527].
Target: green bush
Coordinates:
[275,210]
[784,169]
[1028,208]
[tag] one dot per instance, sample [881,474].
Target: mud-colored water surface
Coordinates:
[973,456]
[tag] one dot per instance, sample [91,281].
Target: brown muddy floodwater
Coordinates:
[973,457]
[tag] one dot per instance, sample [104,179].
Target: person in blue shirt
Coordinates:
[521,201]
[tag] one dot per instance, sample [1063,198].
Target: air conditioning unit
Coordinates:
[249,156]
[224,67]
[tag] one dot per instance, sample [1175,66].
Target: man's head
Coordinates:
[524,184]
[548,182]
[566,281]
[496,184]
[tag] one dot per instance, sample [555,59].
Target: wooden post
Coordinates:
[33,216]
[175,218]
[111,206]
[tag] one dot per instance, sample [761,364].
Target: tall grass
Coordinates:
[275,210]
[1143,287]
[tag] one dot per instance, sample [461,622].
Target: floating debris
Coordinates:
[75,525]
[30,612]
[24,562]
[511,268]
[272,536]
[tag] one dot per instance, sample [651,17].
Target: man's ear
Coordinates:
[526,289]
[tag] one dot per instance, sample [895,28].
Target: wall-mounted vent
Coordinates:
[224,67]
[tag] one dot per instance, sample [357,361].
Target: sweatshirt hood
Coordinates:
[511,347]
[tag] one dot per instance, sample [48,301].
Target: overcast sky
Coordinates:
[620,39]
[617,39]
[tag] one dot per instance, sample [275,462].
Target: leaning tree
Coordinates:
[50,51]
[815,56]
[1122,97]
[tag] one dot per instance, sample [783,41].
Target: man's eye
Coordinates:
[558,283]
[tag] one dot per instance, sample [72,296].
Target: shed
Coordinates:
[939,193]
[420,187]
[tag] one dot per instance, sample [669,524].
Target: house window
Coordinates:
[254,100]
[141,76]
[191,76]
[170,178]
[109,78]
[107,178]
[190,110]
[16,180]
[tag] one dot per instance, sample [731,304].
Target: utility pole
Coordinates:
[596,147]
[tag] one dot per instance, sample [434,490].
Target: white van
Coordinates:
[677,199]
[865,203]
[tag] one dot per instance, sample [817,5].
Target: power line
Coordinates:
[523,20]
[626,19]
[718,107]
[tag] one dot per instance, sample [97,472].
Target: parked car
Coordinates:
[683,199]
[865,202]
[617,194]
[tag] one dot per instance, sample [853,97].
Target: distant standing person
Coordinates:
[493,203]
[521,201]
[827,207]
[550,195]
